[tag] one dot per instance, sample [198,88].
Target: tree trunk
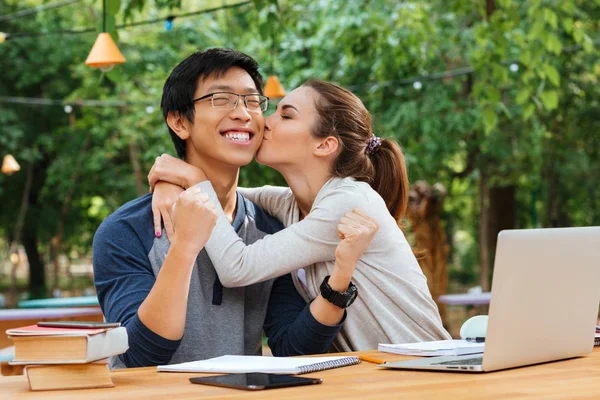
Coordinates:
[14,247]
[37,277]
[425,210]
[502,215]
[484,248]
[37,273]
[134,156]
[56,242]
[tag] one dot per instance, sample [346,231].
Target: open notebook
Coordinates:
[269,365]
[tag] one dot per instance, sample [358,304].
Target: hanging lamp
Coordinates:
[10,165]
[274,89]
[104,54]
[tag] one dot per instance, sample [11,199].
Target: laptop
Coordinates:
[544,306]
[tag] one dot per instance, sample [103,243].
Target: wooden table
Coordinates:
[575,378]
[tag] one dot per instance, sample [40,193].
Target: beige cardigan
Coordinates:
[394,304]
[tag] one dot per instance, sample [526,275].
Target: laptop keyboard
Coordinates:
[468,361]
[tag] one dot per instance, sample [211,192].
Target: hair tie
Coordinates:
[373,144]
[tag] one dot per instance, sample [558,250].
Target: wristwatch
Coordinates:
[342,300]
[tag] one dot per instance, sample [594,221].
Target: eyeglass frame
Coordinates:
[235,104]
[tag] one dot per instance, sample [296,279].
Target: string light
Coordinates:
[169,23]
[37,9]
[19,35]
[68,109]
[514,67]
[417,85]
[58,102]
[402,82]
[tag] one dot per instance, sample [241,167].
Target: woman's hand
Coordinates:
[173,170]
[356,230]
[164,197]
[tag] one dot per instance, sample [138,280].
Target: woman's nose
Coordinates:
[269,122]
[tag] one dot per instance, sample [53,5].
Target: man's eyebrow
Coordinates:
[228,88]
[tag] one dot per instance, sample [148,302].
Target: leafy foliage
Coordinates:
[534,126]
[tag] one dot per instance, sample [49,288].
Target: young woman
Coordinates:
[320,140]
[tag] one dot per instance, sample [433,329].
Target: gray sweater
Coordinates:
[394,304]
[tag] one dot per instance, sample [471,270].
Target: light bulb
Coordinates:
[417,85]
[68,109]
[514,67]
[107,68]
[149,109]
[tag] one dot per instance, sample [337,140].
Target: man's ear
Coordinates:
[326,147]
[177,122]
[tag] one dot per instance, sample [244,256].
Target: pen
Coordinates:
[371,359]
[476,339]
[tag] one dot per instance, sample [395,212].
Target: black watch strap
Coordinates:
[339,299]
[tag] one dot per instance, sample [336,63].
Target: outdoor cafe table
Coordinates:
[575,378]
[466,299]
[82,301]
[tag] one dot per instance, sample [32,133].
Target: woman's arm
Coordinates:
[314,239]
[169,176]
[277,201]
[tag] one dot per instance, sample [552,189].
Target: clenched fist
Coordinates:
[356,230]
[194,218]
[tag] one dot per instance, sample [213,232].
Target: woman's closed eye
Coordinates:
[285,116]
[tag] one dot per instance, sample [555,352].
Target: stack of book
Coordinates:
[67,358]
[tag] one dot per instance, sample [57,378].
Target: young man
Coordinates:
[165,290]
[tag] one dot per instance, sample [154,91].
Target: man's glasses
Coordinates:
[229,101]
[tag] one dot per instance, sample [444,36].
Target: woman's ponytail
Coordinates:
[390,178]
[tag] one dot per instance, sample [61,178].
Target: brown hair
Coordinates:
[341,114]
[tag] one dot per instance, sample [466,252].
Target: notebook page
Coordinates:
[246,364]
[434,348]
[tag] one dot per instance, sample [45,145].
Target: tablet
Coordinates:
[255,381]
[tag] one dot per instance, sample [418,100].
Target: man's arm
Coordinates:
[122,269]
[291,328]
[123,278]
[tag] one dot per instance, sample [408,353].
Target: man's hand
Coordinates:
[194,217]
[173,170]
[164,197]
[356,230]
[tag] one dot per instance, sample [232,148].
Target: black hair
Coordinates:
[179,89]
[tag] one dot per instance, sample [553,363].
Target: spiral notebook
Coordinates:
[268,365]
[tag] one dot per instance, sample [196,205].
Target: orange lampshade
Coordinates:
[105,52]
[10,165]
[273,88]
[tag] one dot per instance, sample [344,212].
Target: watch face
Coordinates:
[353,295]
